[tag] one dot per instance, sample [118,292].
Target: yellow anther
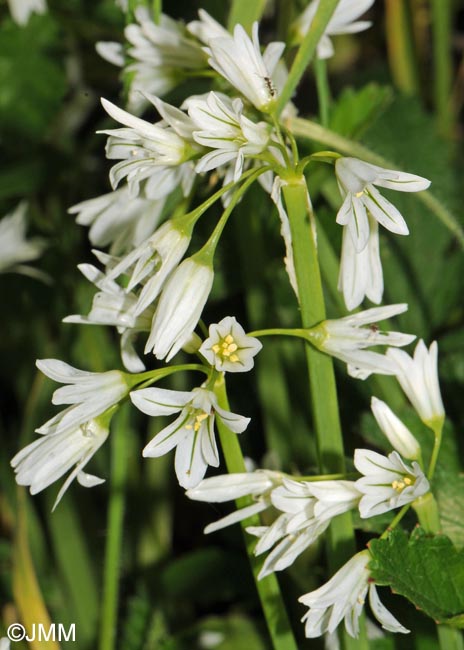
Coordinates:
[407,480]
[215,348]
[234,358]
[398,485]
[229,338]
[359,194]
[232,347]
[226,353]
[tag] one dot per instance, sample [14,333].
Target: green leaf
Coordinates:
[355,110]
[428,570]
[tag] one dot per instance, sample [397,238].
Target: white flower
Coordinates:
[179,308]
[227,487]
[307,509]
[238,58]
[347,339]
[388,482]
[192,432]
[21,10]
[418,378]
[118,218]
[160,55]
[89,393]
[361,273]
[356,180]
[14,247]
[207,28]
[113,305]
[276,196]
[228,348]
[223,128]
[151,152]
[397,433]
[153,261]
[342,598]
[343,21]
[47,459]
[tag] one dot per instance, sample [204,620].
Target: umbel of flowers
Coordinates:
[153,289]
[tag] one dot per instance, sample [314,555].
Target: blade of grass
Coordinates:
[400,46]
[306,51]
[26,589]
[442,62]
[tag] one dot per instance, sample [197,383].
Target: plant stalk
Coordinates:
[323,391]
[268,588]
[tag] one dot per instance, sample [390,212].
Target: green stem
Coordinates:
[210,246]
[323,390]
[194,215]
[268,588]
[428,514]
[157,10]
[149,377]
[396,520]
[438,433]
[443,65]
[307,129]
[119,465]
[306,51]
[280,331]
[323,90]
[400,44]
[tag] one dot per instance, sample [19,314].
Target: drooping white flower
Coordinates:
[117,307]
[89,393]
[347,339]
[397,433]
[239,60]
[192,433]
[342,599]
[14,247]
[151,263]
[228,348]
[155,153]
[207,28]
[388,482]
[223,128]
[418,377]
[47,459]
[118,218]
[307,509]
[361,272]
[159,56]
[179,309]
[343,21]
[21,10]
[227,487]
[356,180]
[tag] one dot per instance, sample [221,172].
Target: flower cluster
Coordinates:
[153,289]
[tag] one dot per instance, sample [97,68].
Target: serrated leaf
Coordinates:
[428,570]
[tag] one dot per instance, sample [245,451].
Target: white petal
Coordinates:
[381,613]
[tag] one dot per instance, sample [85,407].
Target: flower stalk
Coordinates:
[268,588]
[321,374]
